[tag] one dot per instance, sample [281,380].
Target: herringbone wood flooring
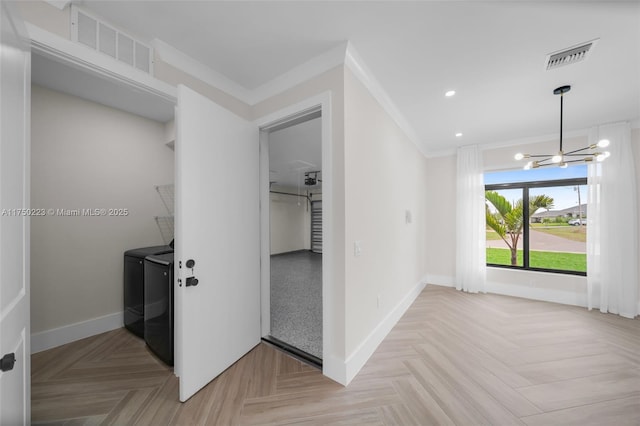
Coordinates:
[453,358]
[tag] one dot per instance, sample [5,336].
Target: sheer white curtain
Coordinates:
[471,265]
[612,225]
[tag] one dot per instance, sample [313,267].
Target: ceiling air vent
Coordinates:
[98,35]
[570,55]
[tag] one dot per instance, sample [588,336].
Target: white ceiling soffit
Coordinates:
[52,74]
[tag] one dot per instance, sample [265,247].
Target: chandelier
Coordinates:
[562,159]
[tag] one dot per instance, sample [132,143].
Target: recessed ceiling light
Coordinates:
[450,93]
[458,135]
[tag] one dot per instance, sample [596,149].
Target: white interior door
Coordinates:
[15,89]
[217,226]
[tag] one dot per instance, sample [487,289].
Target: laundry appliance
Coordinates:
[134,286]
[158,305]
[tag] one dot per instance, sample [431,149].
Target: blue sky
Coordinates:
[563,197]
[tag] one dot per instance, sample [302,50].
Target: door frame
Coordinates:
[18,308]
[288,114]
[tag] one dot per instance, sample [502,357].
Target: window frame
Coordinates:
[525,186]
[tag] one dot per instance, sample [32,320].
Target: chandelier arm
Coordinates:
[578,150]
[586,154]
[575,161]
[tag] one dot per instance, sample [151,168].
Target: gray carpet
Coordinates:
[296,300]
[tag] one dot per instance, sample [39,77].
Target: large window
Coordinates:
[536,219]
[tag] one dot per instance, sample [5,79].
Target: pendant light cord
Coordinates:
[561,118]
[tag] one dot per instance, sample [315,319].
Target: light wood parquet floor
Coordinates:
[453,358]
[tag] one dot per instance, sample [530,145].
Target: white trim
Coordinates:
[363,352]
[441,280]
[186,63]
[331,364]
[58,4]
[265,237]
[323,100]
[518,290]
[510,143]
[543,294]
[335,368]
[70,333]
[94,62]
[358,67]
[299,74]
[535,139]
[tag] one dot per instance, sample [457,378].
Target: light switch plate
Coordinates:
[357,248]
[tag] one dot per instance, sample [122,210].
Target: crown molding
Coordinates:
[444,152]
[508,143]
[358,67]
[535,139]
[635,124]
[58,4]
[299,74]
[186,63]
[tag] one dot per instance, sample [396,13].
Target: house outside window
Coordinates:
[537,219]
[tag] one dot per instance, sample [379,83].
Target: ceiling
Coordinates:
[491,53]
[293,151]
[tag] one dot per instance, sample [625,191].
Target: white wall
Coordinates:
[440,187]
[290,222]
[85,155]
[635,143]
[385,175]
[561,288]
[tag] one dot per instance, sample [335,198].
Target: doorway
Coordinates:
[103,173]
[295,280]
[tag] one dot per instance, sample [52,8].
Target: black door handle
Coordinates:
[7,362]
[191,281]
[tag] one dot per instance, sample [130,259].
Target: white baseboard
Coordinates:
[70,333]
[441,280]
[542,294]
[363,352]
[334,368]
[519,290]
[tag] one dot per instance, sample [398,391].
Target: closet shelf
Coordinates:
[165,223]
[167,195]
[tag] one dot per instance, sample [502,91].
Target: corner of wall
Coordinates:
[358,358]
[441,280]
